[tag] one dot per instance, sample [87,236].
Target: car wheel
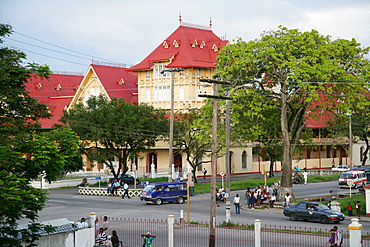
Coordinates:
[324,219]
[180,200]
[158,201]
[293,216]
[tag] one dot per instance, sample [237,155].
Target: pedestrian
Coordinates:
[272,200]
[115,240]
[252,199]
[349,208]
[83,183]
[305,175]
[247,192]
[125,187]
[237,204]
[105,223]
[204,173]
[287,200]
[358,209]
[97,227]
[332,238]
[339,236]
[148,239]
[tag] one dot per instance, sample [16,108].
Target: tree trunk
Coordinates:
[364,154]
[271,173]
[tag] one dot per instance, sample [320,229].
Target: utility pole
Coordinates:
[215,97]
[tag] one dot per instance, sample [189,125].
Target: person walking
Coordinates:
[338,236]
[204,173]
[331,241]
[305,175]
[287,200]
[237,204]
[349,209]
[125,187]
[115,240]
[358,209]
[105,223]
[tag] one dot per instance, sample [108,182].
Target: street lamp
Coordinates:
[215,97]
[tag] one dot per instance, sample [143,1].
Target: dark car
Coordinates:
[126,179]
[313,211]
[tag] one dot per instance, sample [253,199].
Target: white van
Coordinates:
[357,178]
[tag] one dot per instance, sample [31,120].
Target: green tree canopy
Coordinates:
[25,153]
[115,131]
[299,73]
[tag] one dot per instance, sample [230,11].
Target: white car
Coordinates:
[341,168]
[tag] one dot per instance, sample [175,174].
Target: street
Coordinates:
[66,203]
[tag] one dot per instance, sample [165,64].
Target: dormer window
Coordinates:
[165,44]
[175,44]
[195,43]
[121,82]
[203,44]
[214,47]
[58,87]
[39,86]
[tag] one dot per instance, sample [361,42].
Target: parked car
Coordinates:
[341,168]
[313,211]
[126,179]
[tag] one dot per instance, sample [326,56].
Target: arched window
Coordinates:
[244,160]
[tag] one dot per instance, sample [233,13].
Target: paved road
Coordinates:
[68,204]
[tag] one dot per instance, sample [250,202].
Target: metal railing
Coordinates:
[197,234]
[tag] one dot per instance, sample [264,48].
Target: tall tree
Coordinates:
[294,71]
[115,131]
[191,140]
[25,154]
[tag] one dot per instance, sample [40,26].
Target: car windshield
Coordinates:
[346,175]
[148,188]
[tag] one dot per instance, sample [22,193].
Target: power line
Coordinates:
[13,47]
[63,47]
[47,48]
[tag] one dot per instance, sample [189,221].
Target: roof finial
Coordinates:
[180,20]
[210,22]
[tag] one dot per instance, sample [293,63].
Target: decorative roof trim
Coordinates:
[186,24]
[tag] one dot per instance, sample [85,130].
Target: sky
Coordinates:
[67,35]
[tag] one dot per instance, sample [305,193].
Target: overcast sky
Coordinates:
[126,31]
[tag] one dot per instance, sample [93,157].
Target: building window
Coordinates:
[162,93]
[147,75]
[147,93]
[181,92]
[158,69]
[199,164]
[199,91]
[197,73]
[244,160]
[182,73]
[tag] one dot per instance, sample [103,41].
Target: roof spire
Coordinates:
[210,22]
[180,20]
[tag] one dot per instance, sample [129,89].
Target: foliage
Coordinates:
[25,154]
[299,74]
[192,141]
[115,131]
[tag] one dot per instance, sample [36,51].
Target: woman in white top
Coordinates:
[287,200]
[237,204]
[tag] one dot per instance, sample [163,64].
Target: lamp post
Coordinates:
[215,97]
[350,138]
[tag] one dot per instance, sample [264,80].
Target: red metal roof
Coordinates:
[118,82]
[188,46]
[55,92]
